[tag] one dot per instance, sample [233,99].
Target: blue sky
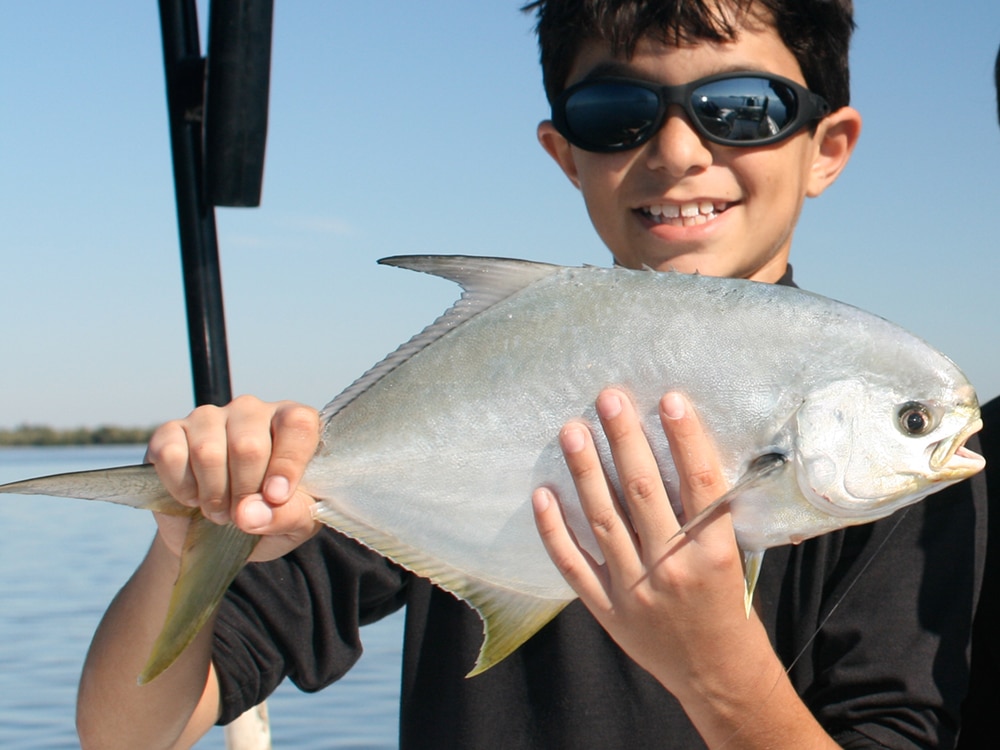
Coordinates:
[402,127]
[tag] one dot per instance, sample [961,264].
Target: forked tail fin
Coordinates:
[210,560]
[212,557]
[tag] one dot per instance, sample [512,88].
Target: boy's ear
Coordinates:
[836,136]
[559,149]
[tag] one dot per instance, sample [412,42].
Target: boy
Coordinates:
[669,183]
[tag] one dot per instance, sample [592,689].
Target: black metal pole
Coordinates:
[238,80]
[185,79]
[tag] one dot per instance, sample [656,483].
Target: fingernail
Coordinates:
[673,406]
[256,513]
[540,499]
[219,517]
[609,405]
[573,439]
[277,489]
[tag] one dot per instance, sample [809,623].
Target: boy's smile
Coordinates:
[686,215]
[680,201]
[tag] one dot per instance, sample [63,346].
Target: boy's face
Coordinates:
[746,199]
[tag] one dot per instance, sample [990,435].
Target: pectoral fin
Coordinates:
[211,558]
[761,471]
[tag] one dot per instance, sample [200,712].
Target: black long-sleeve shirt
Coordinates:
[981,710]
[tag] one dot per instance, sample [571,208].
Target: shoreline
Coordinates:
[42,436]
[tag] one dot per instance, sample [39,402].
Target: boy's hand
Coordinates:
[240,463]
[673,603]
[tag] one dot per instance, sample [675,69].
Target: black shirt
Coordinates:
[981,710]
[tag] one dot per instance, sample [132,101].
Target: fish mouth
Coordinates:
[952,460]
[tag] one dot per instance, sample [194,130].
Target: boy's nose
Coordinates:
[678,147]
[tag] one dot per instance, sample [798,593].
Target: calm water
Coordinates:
[61,562]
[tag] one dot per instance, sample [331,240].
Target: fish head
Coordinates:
[866,448]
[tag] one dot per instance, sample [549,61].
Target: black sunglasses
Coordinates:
[732,109]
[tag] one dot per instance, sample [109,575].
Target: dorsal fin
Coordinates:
[484,282]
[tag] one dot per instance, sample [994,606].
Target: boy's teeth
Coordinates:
[695,212]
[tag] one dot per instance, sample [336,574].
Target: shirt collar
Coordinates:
[786,279]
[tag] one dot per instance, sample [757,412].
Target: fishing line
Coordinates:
[899,519]
[900,515]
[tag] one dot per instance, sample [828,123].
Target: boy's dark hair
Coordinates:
[818,32]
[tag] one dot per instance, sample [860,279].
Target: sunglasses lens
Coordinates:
[611,116]
[744,109]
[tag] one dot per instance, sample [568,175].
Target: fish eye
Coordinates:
[914,419]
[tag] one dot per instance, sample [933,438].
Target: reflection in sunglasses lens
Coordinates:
[744,109]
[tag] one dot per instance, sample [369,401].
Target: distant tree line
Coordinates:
[38,435]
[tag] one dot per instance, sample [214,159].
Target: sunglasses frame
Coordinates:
[811,108]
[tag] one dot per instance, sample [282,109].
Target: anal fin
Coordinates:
[510,617]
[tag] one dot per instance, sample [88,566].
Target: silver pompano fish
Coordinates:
[824,416]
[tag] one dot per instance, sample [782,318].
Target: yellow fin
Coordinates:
[211,558]
[751,572]
[509,617]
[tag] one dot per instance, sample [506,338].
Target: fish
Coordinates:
[824,416]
